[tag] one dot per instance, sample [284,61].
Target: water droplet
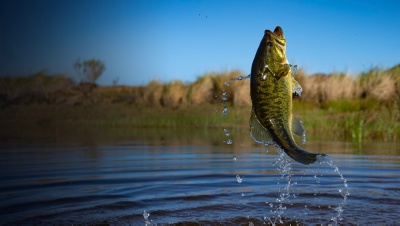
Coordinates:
[226,132]
[146,215]
[224,111]
[227,84]
[146,218]
[303,138]
[234,158]
[242,194]
[229,141]
[239,180]
[293,69]
[240,78]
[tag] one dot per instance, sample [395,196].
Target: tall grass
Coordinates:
[362,107]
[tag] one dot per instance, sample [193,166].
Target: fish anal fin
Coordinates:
[296,88]
[258,132]
[298,129]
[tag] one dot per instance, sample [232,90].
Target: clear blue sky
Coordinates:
[141,40]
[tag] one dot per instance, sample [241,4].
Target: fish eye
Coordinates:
[269,43]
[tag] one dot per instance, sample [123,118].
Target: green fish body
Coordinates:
[271,89]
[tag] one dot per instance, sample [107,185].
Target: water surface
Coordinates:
[111,176]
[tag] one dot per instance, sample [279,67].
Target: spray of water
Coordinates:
[146,218]
[284,164]
[344,192]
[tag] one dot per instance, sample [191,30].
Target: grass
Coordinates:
[338,123]
[365,107]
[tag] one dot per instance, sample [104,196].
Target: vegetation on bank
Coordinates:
[334,105]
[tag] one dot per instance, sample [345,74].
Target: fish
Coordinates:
[272,87]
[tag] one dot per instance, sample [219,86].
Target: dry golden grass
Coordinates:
[201,91]
[381,85]
[153,93]
[322,88]
[175,94]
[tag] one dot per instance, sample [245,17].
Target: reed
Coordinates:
[332,105]
[175,94]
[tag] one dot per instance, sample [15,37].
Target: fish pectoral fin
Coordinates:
[258,132]
[283,70]
[298,129]
[296,88]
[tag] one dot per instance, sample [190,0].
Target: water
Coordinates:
[134,176]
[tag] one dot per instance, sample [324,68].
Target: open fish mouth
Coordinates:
[277,34]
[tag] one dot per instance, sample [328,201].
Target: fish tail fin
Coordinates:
[302,156]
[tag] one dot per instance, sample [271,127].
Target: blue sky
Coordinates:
[141,40]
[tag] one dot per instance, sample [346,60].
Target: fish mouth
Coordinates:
[277,34]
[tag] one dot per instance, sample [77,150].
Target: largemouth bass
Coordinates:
[271,89]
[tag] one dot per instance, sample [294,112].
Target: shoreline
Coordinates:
[380,124]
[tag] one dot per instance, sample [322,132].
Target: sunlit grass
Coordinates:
[334,106]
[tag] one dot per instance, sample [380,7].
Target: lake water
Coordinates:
[189,177]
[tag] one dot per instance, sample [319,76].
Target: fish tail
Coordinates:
[302,156]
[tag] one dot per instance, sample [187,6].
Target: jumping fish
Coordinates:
[271,88]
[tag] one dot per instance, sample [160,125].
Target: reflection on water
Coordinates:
[112,175]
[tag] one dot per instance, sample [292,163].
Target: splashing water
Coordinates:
[239,78]
[228,141]
[285,197]
[343,192]
[285,169]
[146,218]
[226,132]
[293,69]
[224,96]
[239,179]
[224,111]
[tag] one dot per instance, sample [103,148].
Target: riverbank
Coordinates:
[338,120]
[339,106]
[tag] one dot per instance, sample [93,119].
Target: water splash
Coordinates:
[224,96]
[293,69]
[146,218]
[285,168]
[224,111]
[239,179]
[228,141]
[343,192]
[226,132]
[239,78]
[286,193]
[234,158]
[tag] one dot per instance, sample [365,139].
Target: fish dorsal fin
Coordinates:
[298,129]
[296,88]
[258,132]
